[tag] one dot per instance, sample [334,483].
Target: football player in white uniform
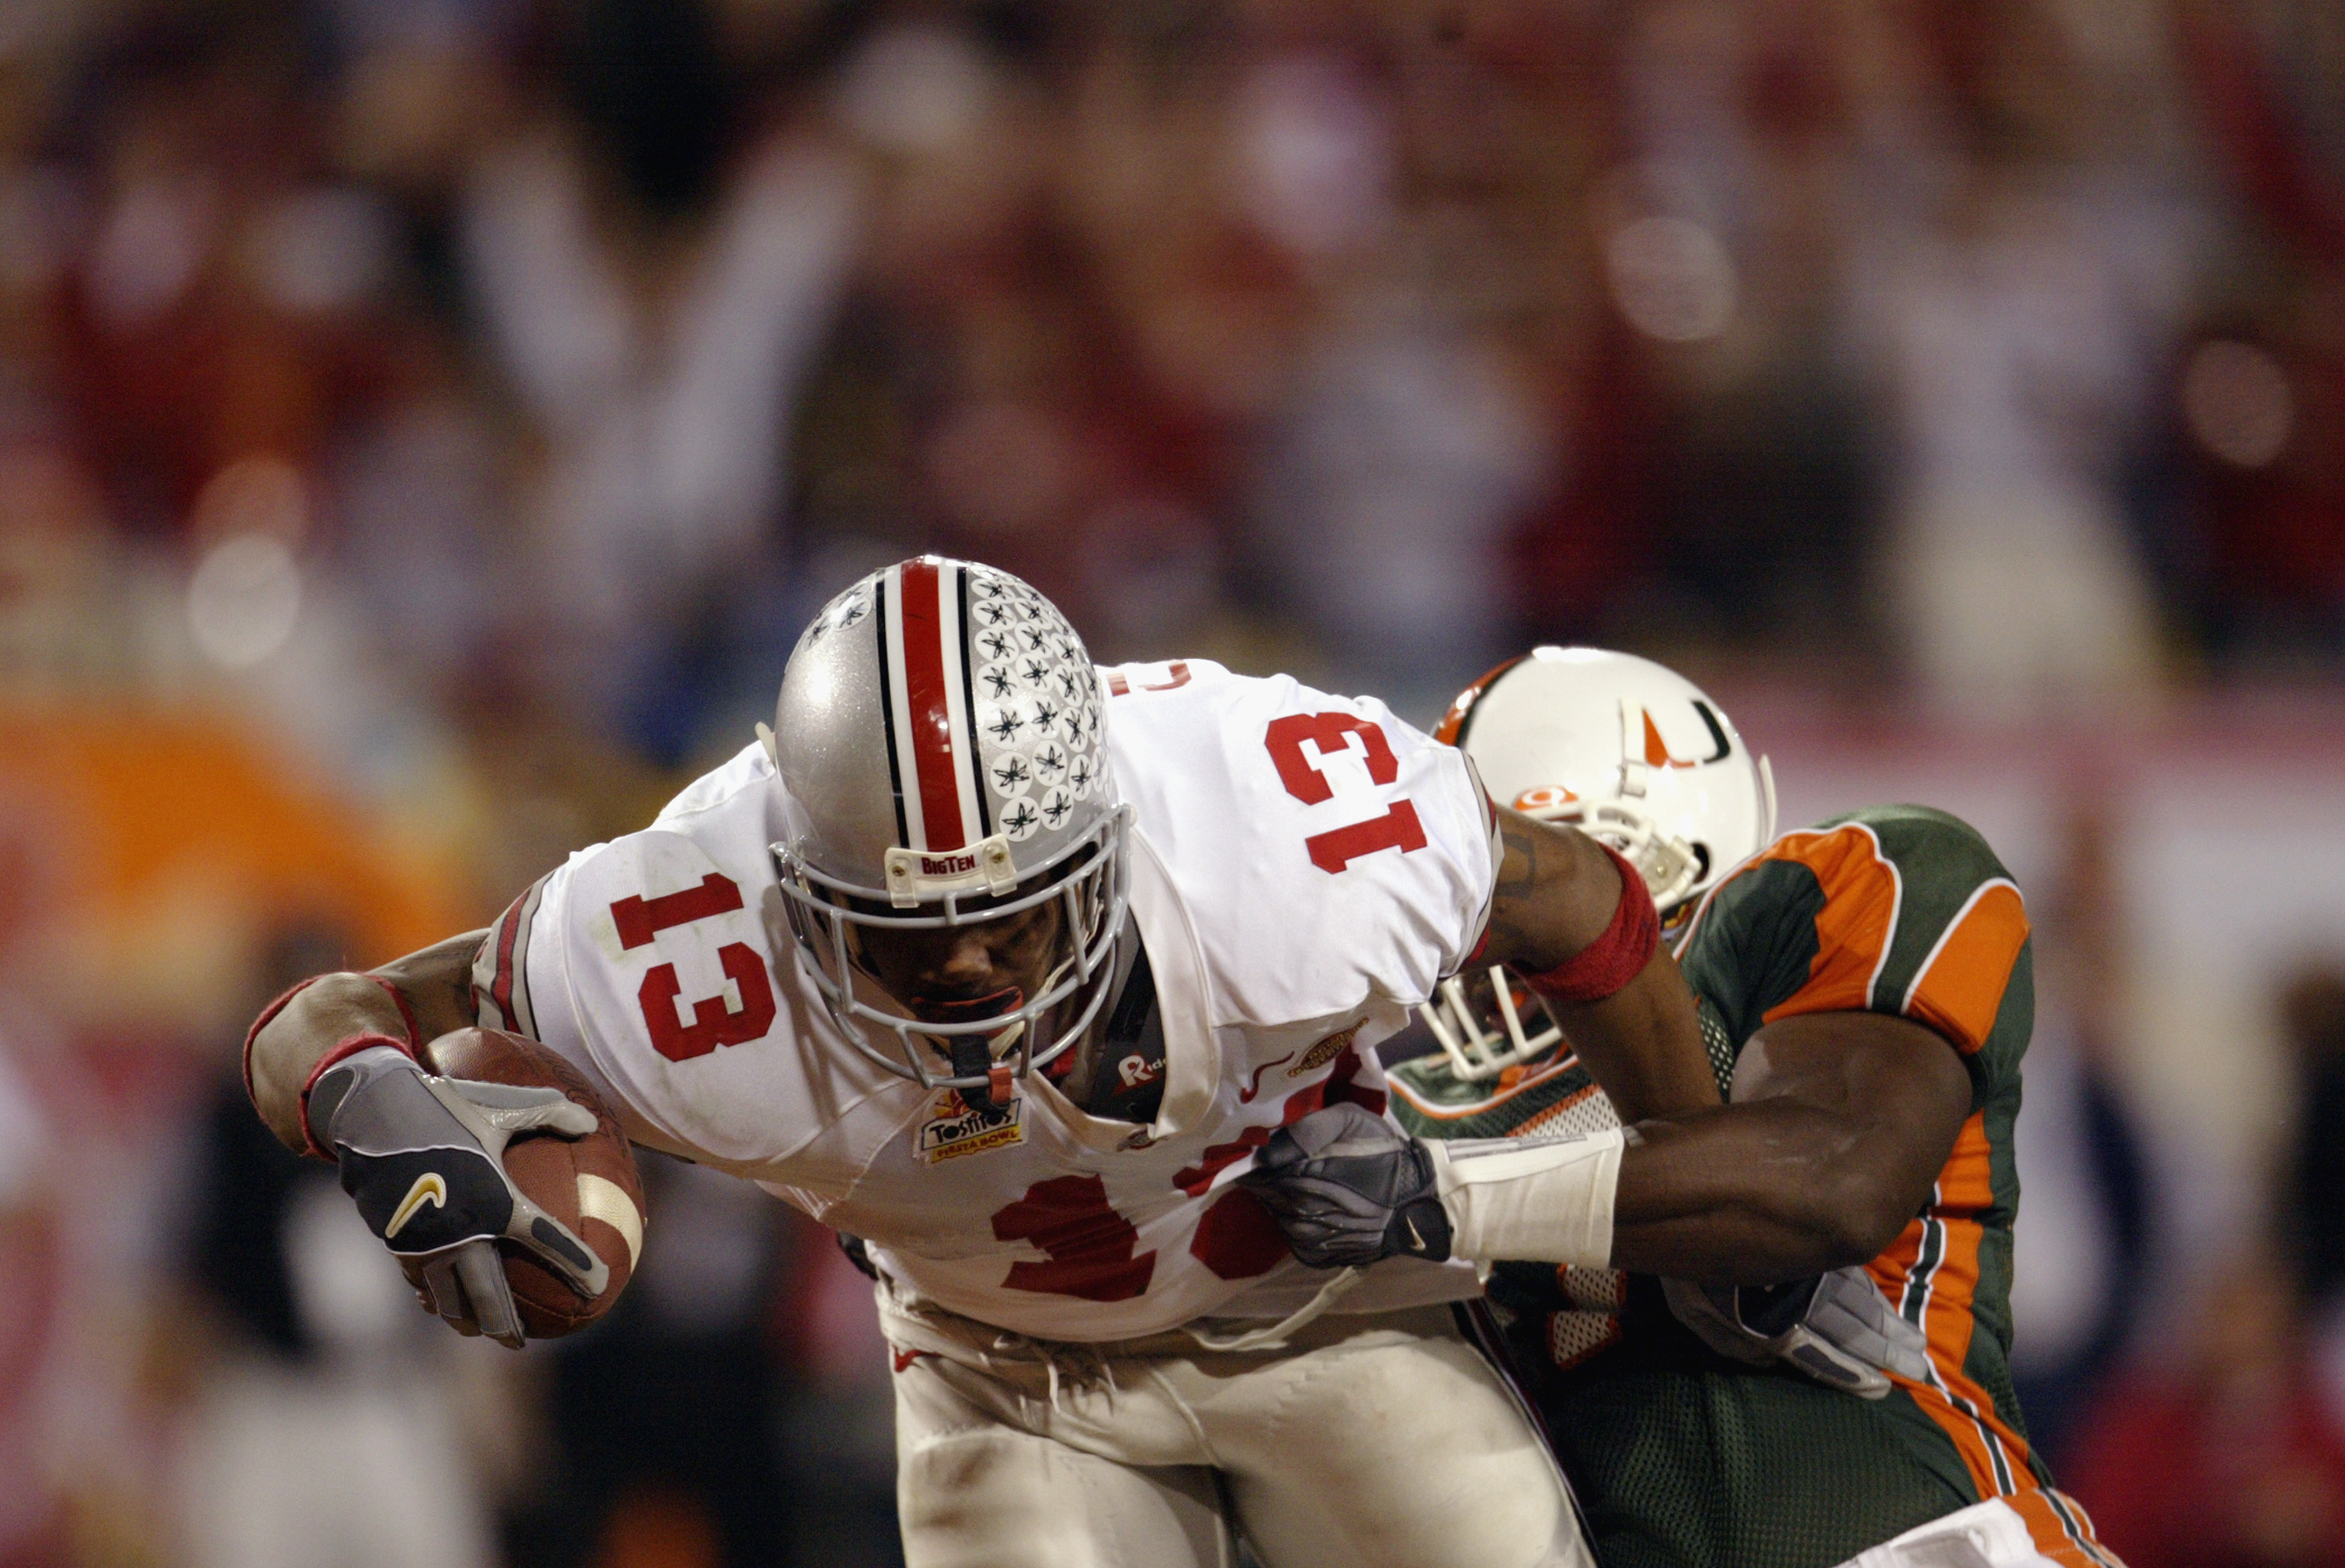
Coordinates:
[1010,965]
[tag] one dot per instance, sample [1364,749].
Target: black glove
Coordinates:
[423,1156]
[1837,1327]
[1349,1188]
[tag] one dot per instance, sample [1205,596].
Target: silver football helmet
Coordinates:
[939,737]
[1632,754]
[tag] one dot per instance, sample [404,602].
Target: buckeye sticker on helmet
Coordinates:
[1011,775]
[848,609]
[1005,724]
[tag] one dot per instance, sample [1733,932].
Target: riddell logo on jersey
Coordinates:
[1326,1051]
[953,1129]
[947,865]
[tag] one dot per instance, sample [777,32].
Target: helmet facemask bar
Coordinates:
[1475,1053]
[1094,899]
[1674,872]
[1673,869]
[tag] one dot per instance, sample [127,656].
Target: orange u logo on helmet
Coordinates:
[1657,750]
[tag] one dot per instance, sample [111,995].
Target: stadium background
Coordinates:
[423,428]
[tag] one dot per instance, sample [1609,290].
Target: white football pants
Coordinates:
[1368,1440]
[1984,1535]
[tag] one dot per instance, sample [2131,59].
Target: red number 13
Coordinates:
[712,1023]
[1332,851]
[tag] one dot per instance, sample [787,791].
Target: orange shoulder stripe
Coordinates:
[1861,894]
[1960,987]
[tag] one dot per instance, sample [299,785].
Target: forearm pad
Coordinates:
[1538,1200]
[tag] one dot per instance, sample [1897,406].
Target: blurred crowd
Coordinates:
[424,427]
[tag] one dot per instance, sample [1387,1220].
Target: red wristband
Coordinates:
[1617,957]
[350,1047]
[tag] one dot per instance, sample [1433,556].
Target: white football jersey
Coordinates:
[1305,869]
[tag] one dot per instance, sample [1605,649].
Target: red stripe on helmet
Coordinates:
[928,667]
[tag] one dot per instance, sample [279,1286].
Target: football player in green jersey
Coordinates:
[1775,1331]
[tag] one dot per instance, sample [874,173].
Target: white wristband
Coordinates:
[1540,1201]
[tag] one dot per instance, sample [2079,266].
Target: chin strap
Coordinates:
[985,1056]
[979,1055]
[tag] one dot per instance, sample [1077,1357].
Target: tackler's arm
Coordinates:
[1839,1124]
[1841,1121]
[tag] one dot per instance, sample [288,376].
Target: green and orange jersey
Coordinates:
[1685,1459]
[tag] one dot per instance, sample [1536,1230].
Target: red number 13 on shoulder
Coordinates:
[1332,851]
[712,1023]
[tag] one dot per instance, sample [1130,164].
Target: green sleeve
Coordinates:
[1899,909]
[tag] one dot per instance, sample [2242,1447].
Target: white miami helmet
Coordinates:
[1632,754]
[939,738]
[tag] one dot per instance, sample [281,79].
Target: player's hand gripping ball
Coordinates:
[494,1172]
[588,1182]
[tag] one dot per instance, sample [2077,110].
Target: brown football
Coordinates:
[589,1183]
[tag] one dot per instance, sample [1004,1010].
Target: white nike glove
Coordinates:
[1837,1327]
[423,1157]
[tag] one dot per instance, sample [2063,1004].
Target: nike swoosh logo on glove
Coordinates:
[428,1188]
